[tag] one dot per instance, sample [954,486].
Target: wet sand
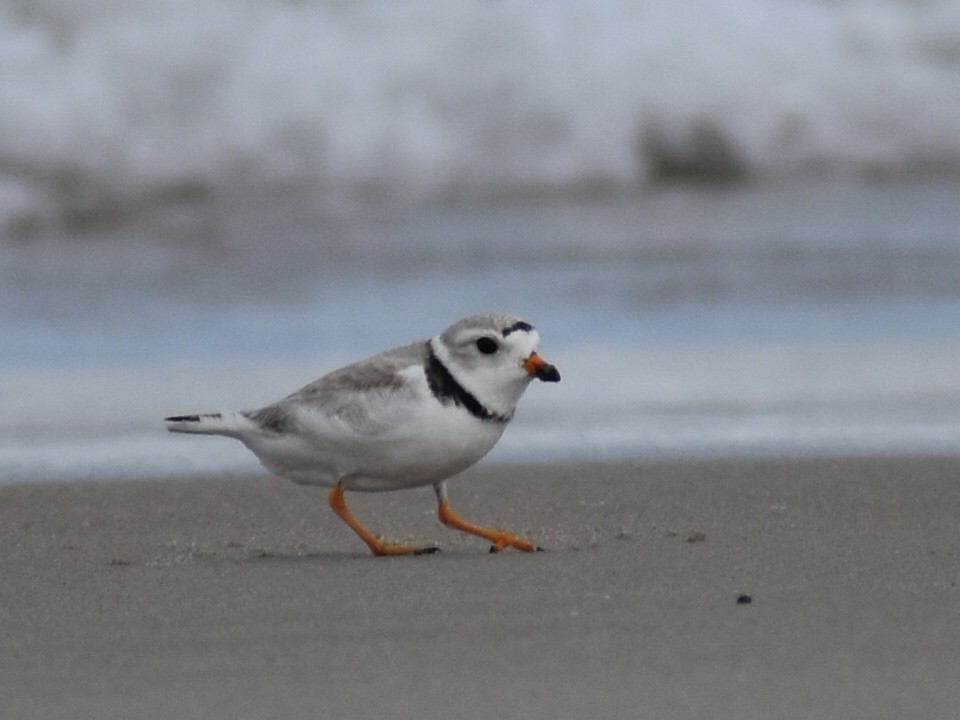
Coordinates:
[247,598]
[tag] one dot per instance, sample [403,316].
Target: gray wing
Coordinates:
[356,395]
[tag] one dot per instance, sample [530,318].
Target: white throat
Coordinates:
[497,393]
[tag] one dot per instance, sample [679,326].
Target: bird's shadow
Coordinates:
[265,555]
[279,556]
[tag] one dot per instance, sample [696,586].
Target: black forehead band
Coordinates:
[519,325]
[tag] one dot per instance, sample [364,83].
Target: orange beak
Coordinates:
[539,368]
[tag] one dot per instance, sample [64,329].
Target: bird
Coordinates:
[412,416]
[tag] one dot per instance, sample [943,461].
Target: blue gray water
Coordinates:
[736,224]
[687,322]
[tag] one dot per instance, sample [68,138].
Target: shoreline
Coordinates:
[246,597]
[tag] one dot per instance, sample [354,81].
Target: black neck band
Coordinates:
[445,388]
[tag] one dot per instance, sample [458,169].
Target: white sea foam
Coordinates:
[106,105]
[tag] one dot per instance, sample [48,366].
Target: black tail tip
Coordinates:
[182,418]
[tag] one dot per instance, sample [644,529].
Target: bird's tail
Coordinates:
[231,424]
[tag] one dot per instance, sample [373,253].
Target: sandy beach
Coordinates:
[246,597]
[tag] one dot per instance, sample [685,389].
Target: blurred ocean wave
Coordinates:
[110,108]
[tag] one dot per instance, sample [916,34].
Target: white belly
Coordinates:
[430,444]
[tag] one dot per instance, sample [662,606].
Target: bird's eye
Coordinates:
[488,346]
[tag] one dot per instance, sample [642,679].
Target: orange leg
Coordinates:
[376,545]
[499,538]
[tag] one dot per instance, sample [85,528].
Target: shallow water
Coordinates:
[753,320]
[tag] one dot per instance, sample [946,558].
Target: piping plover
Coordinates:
[408,417]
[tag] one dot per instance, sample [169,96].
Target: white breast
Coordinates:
[411,441]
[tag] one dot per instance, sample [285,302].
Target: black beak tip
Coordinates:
[548,373]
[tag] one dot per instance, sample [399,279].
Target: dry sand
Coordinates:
[247,598]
